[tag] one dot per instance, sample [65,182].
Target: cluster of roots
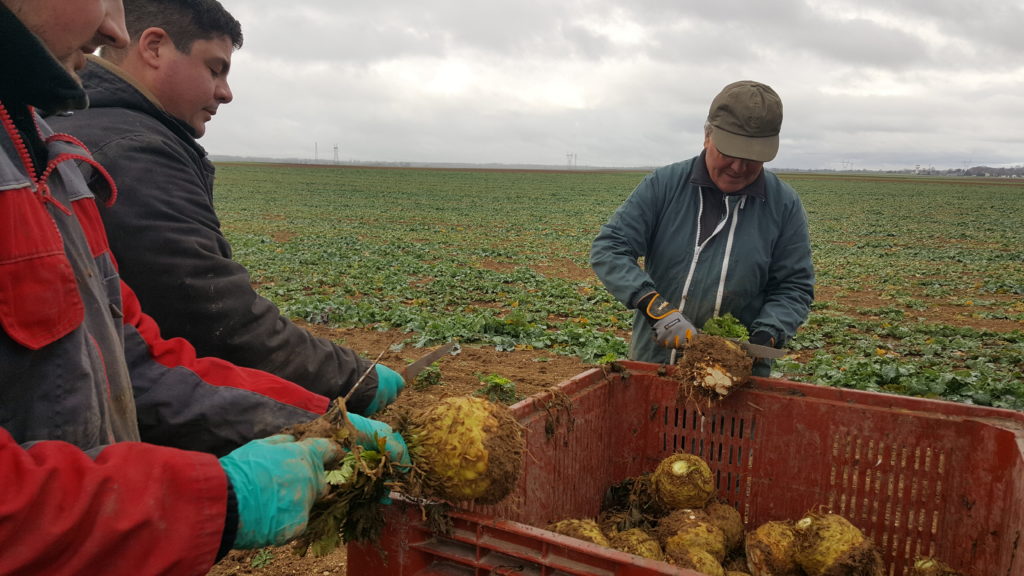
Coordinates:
[711,367]
[674,515]
[670,515]
[462,449]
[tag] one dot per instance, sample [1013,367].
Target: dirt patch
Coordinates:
[858,304]
[564,268]
[530,371]
[495,266]
[280,562]
[282,236]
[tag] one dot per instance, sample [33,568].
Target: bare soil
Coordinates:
[530,370]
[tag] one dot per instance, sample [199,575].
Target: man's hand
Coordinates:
[671,328]
[389,386]
[276,481]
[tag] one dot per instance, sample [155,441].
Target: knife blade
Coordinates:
[759,351]
[410,372]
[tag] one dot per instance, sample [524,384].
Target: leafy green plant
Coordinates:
[726,326]
[262,558]
[429,376]
[498,389]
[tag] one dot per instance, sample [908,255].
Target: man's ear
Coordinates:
[152,45]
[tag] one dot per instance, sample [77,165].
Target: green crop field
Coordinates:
[920,281]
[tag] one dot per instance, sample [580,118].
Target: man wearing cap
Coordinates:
[717,233]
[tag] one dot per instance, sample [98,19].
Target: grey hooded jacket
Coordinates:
[755,263]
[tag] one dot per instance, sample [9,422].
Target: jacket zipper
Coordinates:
[36,181]
[19,142]
[699,247]
[728,251]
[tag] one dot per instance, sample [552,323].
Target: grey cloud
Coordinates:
[992,26]
[929,82]
[859,43]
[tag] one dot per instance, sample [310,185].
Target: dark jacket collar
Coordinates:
[30,75]
[701,177]
[108,86]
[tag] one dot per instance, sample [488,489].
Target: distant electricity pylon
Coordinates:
[335,153]
[570,159]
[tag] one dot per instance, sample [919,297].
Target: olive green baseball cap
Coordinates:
[745,119]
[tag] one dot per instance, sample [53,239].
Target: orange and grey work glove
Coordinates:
[671,328]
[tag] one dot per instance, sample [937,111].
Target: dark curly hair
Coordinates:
[185,21]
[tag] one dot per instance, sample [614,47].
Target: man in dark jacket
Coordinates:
[84,374]
[149,102]
[717,233]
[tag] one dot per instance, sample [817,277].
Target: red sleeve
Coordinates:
[178,352]
[136,508]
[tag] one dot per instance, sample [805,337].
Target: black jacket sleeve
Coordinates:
[167,239]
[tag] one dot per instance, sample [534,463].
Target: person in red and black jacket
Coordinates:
[120,452]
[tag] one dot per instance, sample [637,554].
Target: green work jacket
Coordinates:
[755,263]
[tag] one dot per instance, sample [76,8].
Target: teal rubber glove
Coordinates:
[367,433]
[389,386]
[276,482]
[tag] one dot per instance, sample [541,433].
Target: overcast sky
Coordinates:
[873,84]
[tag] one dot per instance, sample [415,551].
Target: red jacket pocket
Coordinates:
[39,298]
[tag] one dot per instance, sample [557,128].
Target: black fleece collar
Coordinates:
[30,75]
[701,177]
[108,86]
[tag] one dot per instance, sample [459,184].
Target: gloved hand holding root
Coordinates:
[460,449]
[368,433]
[671,328]
[276,481]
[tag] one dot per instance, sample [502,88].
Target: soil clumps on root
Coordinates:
[692,558]
[771,549]
[829,545]
[636,541]
[691,529]
[728,519]
[683,481]
[928,566]
[581,529]
[711,367]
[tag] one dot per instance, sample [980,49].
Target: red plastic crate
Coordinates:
[920,477]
